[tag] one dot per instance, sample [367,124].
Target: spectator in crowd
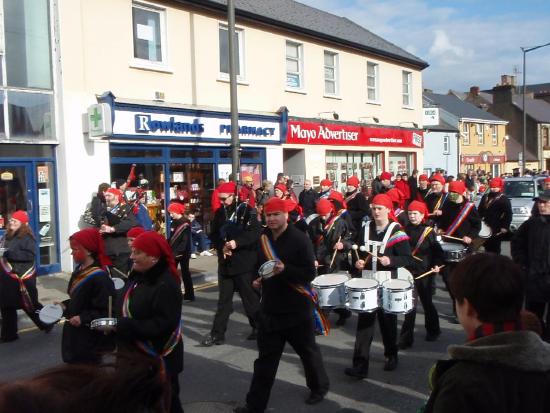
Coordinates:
[246,193]
[381,184]
[199,238]
[98,206]
[308,198]
[413,184]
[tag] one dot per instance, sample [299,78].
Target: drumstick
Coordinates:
[426,273]
[334,253]
[354,248]
[110,307]
[450,237]
[416,258]
[364,249]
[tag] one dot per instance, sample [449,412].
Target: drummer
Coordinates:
[459,223]
[89,290]
[395,252]
[149,320]
[495,210]
[429,256]
[436,197]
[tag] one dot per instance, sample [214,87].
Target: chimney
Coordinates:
[474,91]
[507,80]
[502,94]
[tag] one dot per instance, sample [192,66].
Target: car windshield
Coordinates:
[519,189]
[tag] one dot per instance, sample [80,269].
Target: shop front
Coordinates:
[179,155]
[485,161]
[340,150]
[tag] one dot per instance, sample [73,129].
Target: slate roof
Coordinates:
[538,88]
[301,18]
[442,127]
[459,108]
[537,109]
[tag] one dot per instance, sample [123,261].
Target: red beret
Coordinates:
[227,188]
[457,186]
[91,239]
[439,178]
[337,196]
[385,176]
[326,182]
[419,207]
[155,245]
[547,179]
[116,192]
[281,187]
[135,231]
[395,195]
[383,200]
[21,216]
[323,207]
[353,181]
[496,183]
[482,188]
[275,204]
[423,177]
[176,208]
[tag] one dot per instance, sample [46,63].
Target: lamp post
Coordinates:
[526,50]
[233,91]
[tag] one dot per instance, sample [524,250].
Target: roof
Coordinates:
[442,127]
[459,108]
[513,148]
[537,109]
[538,88]
[304,19]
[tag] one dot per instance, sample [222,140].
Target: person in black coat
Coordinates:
[180,241]
[18,277]
[89,289]
[495,210]
[149,314]
[357,204]
[235,233]
[286,310]
[98,206]
[530,249]
[413,184]
[307,199]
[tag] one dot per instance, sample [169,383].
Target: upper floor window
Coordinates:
[446,145]
[224,52]
[372,82]
[407,88]
[149,33]
[294,65]
[479,132]
[465,134]
[545,132]
[494,135]
[331,73]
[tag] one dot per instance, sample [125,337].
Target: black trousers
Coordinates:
[493,244]
[271,345]
[121,262]
[189,293]
[446,273]
[226,287]
[423,291]
[538,308]
[9,321]
[175,402]
[365,334]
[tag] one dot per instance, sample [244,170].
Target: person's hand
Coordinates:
[360,264]
[385,261]
[231,244]
[75,321]
[466,240]
[316,264]
[437,212]
[257,283]
[435,269]
[339,246]
[63,306]
[279,267]
[503,231]
[226,251]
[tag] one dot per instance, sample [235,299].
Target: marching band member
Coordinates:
[281,191]
[426,249]
[437,197]
[89,290]
[235,232]
[326,188]
[495,210]
[357,204]
[287,310]
[180,242]
[382,184]
[394,252]
[423,188]
[398,203]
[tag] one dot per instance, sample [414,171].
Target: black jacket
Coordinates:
[122,221]
[530,249]
[98,209]
[155,305]
[281,305]
[89,301]
[505,372]
[470,226]
[308,200]
[429,251]
[245,230]
[413,185]
[21,255]
[496,210]
[181,242]
[358,207]
[324,239]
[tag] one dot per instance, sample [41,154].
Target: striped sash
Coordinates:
[462,215]
[25,296]
[421,239]
[84,277]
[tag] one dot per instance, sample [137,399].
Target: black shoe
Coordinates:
[48,328]
[9,339]
[242,409]
[209,340]
[454,320]
[315,398]
[253,335]
[405,344]
[433,336]
[356,372]
[188,299]
[391,363]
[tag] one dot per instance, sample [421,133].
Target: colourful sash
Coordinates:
[146,346]
[349,198]
[84,277]
[440,202]
[25,296]
[423,236]
[396,237]
[462,215]
[322,325]
[178,232]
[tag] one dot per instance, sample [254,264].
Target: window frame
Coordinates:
[466,133]
[446,145]
[239,31]
[408,94]
[376,78]
[147,63]
[494,134]
[336,68]
[480,134]
[300,60]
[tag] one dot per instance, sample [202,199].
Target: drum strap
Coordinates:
[25,296]
[421,239]
[178,232]
[460,218]
[387,235]
[440,202]
[84,277]
[311,218]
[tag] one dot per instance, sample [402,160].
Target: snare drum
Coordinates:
[118,283]
[103,324]
[50,314]
[485,231]
[362,295]
[453,252]
[331,290]
[379,276]
[397,296]
[266,270]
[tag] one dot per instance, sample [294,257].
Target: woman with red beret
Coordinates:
[89,290]
[149,319]
[180,242]
[18,277]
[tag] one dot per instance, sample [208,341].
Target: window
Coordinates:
[149,33]
[331,73]
[545,132]
[446,145]
[224,52]
[294,65]
[479,132]
[372,82]
[465,134]
[494,136]
[407,88]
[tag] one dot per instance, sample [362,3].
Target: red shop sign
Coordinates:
[312,133]
[471,159]
[497,159]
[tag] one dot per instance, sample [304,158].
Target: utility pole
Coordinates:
[235,146]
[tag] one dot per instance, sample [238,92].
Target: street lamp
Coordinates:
[526,50]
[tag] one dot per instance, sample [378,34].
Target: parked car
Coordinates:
[521,191]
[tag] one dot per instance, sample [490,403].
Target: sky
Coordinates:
[466,42]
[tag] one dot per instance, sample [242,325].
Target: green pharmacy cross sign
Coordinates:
[99,121]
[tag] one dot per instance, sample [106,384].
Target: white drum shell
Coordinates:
[362,295]
[397,296]
[453,252]
[331,290]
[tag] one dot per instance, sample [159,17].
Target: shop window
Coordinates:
[134,153]
[407,88]
[46,213]
[191,153]
[149,33]
[224,52]
[30,115]
[331,73]
[27,41]
[246,154]
[400,162]
[294,65]
[341,165]
[372,81]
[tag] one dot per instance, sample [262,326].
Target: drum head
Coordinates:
[50,313]
[396,284]
[267,268]
[485,231]
[404,274]
[449,246]
[362,283]
[119,283]
[329,280]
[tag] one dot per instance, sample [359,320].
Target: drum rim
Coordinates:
[56,318]
[375,286]
[342,283]
[270,262]
[397,279]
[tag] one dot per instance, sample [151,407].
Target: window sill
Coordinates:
[147,65]
[374,102]
[407,107]
[299,91]
[337,97]
[224,79]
